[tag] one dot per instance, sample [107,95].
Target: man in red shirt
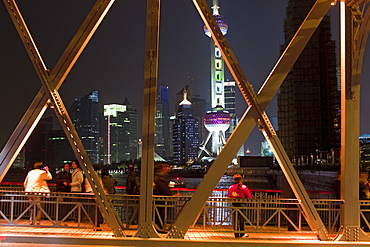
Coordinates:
[239,190]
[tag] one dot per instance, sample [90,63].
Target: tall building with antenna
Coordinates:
[217,120]
[217,61]
[185,133]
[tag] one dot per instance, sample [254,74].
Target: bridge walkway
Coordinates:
[41,235]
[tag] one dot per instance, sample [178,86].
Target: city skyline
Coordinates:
[113,61]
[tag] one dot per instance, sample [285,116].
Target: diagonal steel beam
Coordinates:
[79,42]
[57,76]
[23,130]
[255,113]
[63,67]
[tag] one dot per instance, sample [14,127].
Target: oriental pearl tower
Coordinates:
[217,120]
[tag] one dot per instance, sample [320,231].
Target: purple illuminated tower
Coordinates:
[216,121]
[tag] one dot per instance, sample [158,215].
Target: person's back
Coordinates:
[36,179]
[108,182]
[161,185]
[132,181]
[35,185]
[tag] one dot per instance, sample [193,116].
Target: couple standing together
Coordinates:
[35,185]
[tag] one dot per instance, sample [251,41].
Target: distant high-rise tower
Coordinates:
[85,116]
[217,61]
[229,89]
[120,133]
[59,150]
[36,148]
[217,120]
[230,107]
[185,134]
[162,119]
[308,102]
[199,106]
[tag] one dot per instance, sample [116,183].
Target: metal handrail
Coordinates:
[270,213]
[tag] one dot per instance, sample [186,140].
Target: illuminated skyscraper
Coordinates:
[162,119]
[120,132]
[217,61]
[85,116]
[185,134]
[230,107]
[229,92]
[217,120]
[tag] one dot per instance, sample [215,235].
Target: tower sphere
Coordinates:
[217,120]
[221,23]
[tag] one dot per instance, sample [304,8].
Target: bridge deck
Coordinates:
[194,237]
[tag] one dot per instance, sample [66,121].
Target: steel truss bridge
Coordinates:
[354,26]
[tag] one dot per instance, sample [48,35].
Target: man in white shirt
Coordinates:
[36,186]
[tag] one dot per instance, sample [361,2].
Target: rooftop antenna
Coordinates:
[190,96]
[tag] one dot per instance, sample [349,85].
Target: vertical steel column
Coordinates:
[255,113]
[146,227]
[350,129]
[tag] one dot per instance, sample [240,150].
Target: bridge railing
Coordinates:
[16,207]
[265,212]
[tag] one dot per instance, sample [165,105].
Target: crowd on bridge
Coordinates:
[71,179]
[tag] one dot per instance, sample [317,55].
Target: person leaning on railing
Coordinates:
[239,190]
[35,185]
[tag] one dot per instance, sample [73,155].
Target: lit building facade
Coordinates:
[120,133]
[185,134]
[199,107]
[162,119]
[230,107]
[85,116]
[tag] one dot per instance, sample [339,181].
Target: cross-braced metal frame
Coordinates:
[354,31]
[49,95]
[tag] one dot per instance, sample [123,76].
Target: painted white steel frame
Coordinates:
[49,95]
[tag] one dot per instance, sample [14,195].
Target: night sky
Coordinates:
[113,61]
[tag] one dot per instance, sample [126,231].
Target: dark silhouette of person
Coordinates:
[364,189]
[132,181]
[63,179]
[161,187]
[108,183]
